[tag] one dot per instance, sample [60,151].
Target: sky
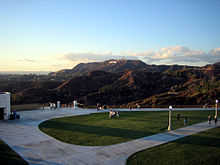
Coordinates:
[49,35]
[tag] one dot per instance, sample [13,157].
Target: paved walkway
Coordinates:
[38,148]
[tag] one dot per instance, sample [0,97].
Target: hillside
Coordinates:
[199,86]
[114,66]
[107,66]
[121,82]
[130,86]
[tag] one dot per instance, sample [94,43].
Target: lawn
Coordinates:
[98,129]
[9,157]
[201,148]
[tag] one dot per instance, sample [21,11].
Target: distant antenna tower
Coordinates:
[123,57]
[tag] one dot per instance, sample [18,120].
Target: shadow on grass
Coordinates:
[98,130]
[9,157]
[200,148]
[200,141]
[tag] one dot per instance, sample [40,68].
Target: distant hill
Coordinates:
[212,70]
[24,72]
[120,82]
[130,86]
[198,86]
[107,66]
[114,66]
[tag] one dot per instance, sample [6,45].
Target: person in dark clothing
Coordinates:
[209,120]
[185,121]
[215,120]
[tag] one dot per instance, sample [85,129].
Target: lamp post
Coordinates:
[216,108]
[170,126]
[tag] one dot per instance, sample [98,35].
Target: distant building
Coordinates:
[5,109]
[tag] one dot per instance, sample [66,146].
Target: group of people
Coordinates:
[52,106]
[210,120]
[184,121]
[99,106]
[14,115]
[112,114]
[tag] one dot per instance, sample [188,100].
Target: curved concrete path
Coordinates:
[35,147]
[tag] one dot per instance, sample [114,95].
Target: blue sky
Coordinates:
[55,34]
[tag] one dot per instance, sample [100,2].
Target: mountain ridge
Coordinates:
[122,82]
[116,66]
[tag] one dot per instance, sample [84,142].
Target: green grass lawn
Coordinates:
[201,148]
[98,129]
[9,157]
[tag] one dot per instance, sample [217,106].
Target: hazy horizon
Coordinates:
[25,72]
[52,35]
[47,72]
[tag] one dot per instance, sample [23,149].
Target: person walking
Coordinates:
[97,105]
[215,120]
[117,113]
[185,121]
[209,120]
[110,114]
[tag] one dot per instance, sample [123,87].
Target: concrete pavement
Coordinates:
[35,147]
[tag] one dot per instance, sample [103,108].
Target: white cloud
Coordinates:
[26,60]
[215,51]
[166,55]
[90,56]
[179,55]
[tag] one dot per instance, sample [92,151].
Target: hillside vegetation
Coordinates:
[119,82]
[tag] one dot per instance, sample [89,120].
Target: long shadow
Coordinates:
[40,161]
[98,130]
[9,157]
[200,141]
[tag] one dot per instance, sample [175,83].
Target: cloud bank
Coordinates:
[91,56]
[179,55]
[166,55]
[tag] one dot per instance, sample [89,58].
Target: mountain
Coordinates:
[120,82]
[212,70]
[107,66]
[199,86]
[114,66]
[130,86]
